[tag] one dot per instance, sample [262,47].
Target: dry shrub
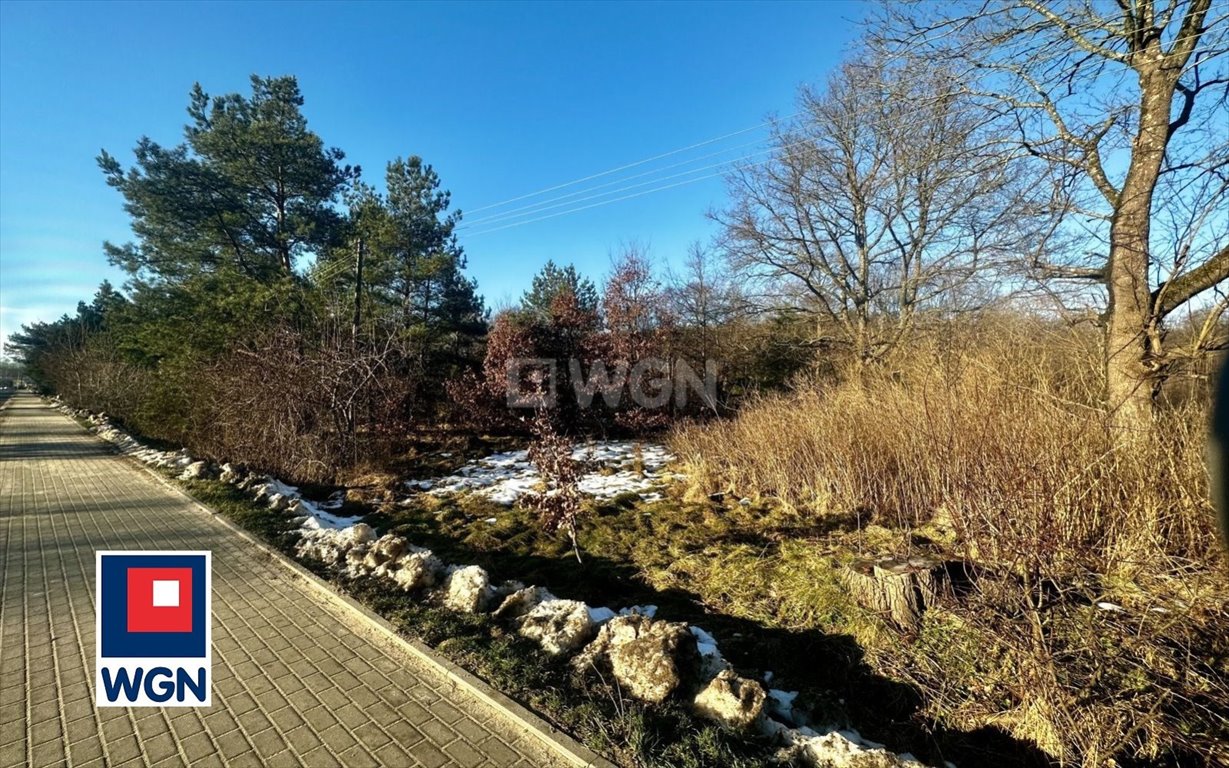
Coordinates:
[560,500]
[96,376]
[994,432]
[303,408]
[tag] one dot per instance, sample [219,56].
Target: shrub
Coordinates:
[559,503]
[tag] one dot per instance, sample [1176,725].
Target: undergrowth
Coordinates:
[1098,626]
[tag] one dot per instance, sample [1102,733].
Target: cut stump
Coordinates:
[899,589]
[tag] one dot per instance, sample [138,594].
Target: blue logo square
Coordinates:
[117,641]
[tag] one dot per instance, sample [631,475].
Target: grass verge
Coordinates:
[592,709]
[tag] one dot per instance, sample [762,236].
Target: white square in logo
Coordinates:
[166,594]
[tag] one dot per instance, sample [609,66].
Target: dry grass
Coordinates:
[992,444]
[1002,437]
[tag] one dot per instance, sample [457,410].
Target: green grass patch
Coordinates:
[272,527]
[762,579]
[590,708]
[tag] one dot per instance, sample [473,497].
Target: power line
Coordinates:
[548,204]
[606,202]
[630,165]
[532,206]
[879,121]
[540,208]
[330,271]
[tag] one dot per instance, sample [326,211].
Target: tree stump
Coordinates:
[899,589]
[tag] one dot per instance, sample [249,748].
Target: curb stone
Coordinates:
[373,625]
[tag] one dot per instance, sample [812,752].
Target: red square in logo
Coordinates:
[159,599]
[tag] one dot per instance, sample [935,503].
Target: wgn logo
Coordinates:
[153,630]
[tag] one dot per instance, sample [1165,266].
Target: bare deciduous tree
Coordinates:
[887,198]
[1125,105]
[705,299]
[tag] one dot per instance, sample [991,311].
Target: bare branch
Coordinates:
[1071,32]
[1189,35]
[1181,289]
[1055,271]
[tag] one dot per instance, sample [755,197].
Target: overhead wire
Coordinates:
[336,268]
[511,218]
[330,271]
[607,202]
[642,174]
[482,223]
[548,204]
[508,219]
[629,166]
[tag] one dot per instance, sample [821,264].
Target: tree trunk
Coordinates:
[1218,452]
[1131,322]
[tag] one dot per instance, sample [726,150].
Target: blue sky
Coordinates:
[504,99]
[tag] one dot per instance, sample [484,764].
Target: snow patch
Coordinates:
[711,661]
[312,516]
[558,625]
[619,467]
[647,611]
[837,748]
[781,705]
[601,615]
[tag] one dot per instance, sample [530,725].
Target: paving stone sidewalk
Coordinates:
[295,682]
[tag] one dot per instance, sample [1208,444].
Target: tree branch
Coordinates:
[1188,34]
[1177,291]
[1188,100]
[1055,271]
[1073,34]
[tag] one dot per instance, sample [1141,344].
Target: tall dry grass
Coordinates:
[997,427]
[994,432]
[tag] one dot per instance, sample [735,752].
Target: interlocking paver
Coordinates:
[295,683]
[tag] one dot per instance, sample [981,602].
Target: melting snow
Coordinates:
[647,611]
[601,615]
[711,660]
[782,704]
[318,519]
[505,477]
[705,643]
[838,748]
[313,516]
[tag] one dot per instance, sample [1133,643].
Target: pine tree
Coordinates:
[553,280]
[251,191]
[415,266]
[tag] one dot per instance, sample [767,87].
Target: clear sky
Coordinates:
[504,99]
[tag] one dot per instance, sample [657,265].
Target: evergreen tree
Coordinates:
[416,265]
[38,345]
[552,281]
[251,191]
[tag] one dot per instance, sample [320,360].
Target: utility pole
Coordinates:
[358,288]
[358,318]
